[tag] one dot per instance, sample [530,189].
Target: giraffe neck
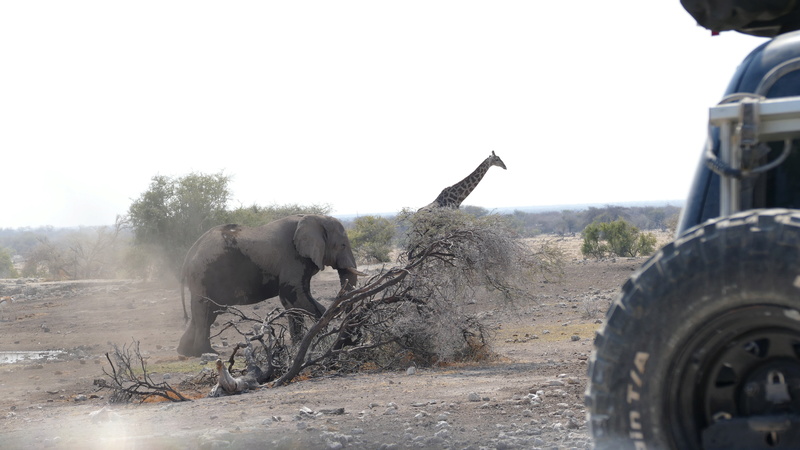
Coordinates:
[453,196]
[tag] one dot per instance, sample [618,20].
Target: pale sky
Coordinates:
[369,106]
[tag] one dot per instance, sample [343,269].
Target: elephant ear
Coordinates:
[309,240]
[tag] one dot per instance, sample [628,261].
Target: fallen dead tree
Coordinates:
[348,327]
[411,314]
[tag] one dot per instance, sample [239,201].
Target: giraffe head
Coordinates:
[495,160]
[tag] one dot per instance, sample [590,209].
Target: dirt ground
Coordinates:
[531,398]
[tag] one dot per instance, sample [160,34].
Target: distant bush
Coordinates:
[573,221]
[145,262]
[7,269]
[371,238]
[618,238]
[87,252]
[22,240]
[475,211]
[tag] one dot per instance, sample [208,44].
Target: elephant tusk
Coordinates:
[356,272]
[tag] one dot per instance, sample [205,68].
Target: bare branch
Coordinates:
[126,384]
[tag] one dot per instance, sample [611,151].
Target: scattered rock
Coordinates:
[104,414]
[208,357]
[573,423]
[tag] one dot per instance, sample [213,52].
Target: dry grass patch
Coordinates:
[523,334]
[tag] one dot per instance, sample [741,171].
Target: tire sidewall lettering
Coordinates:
[634,399]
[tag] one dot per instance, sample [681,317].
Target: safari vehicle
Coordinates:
[702,347]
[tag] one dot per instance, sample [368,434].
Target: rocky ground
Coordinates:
[531,397]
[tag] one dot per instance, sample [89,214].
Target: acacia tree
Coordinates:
[174,212]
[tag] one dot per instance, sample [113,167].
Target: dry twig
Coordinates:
[127,384]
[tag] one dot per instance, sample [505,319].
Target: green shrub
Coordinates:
[618,238]
[592,243]
[371,238]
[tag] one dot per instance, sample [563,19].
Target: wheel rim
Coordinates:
[724,369]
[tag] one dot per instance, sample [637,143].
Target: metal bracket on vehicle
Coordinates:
[746,132]
[744,124]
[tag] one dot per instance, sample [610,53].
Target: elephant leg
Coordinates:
[196,339]
[350,333]
[293,297]
[295,321]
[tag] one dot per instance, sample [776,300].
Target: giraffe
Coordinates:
[452,196]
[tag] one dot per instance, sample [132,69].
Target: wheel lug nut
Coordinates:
[751,389]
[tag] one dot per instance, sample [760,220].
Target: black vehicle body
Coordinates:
[779,188]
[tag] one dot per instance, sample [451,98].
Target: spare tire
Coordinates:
[702,347]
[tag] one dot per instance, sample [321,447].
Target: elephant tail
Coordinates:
[183,299]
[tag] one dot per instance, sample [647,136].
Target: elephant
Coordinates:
[239,265]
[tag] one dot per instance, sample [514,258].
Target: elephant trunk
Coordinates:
[348,279]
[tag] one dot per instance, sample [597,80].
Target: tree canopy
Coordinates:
[174,212]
